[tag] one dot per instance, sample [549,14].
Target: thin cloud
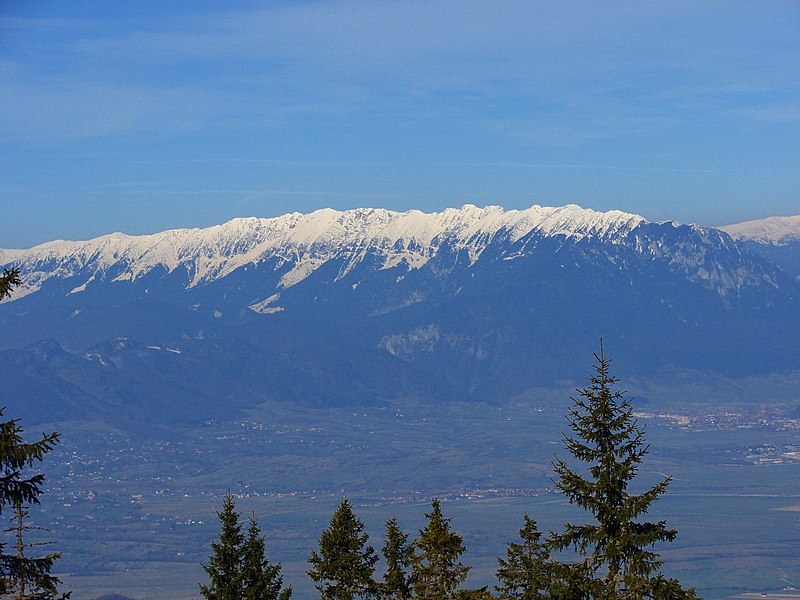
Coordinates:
[390,60]
[404,164]
[685,103]
[776,112]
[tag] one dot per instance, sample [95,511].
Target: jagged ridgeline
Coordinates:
[371,305]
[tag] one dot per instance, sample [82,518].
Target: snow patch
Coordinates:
[82,288]
[264,307]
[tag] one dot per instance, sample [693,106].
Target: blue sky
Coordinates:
[143,116]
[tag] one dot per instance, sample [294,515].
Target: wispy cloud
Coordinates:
[430,60]
[772,112]
[402,102]
[411,164]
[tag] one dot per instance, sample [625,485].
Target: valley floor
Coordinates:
[135,514]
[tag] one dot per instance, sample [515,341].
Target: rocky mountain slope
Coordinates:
[371,305]
[775,238]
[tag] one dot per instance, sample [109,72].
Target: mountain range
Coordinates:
[371,306]
[775,238]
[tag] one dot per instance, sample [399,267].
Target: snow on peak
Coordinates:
[772,230]
[307,241]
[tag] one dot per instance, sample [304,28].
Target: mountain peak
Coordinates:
[771,230]
[308,241]
[452,290]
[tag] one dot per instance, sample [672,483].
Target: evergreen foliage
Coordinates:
[224,567]
[437,570]
[238,567]
[398,553]
[261,580]
[24,577]
[344,566]
[8,280]
[525,573]
[479,594]
[617,559]
[30,579]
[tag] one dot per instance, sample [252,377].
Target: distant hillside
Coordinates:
[370,306]
[772,230]
[775,238]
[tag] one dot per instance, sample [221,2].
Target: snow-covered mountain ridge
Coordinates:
[368,305]
[296,245]
[772,230]
[309,240]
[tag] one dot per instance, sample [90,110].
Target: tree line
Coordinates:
[613,557]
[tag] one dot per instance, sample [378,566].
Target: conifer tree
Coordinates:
[478,594]
[398,554]
[261,580]
[26,577]
[30,576]
[224,566]
[8,280]
[617,561]
[437,570]
[344,566]
[525,573]
[238,568]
